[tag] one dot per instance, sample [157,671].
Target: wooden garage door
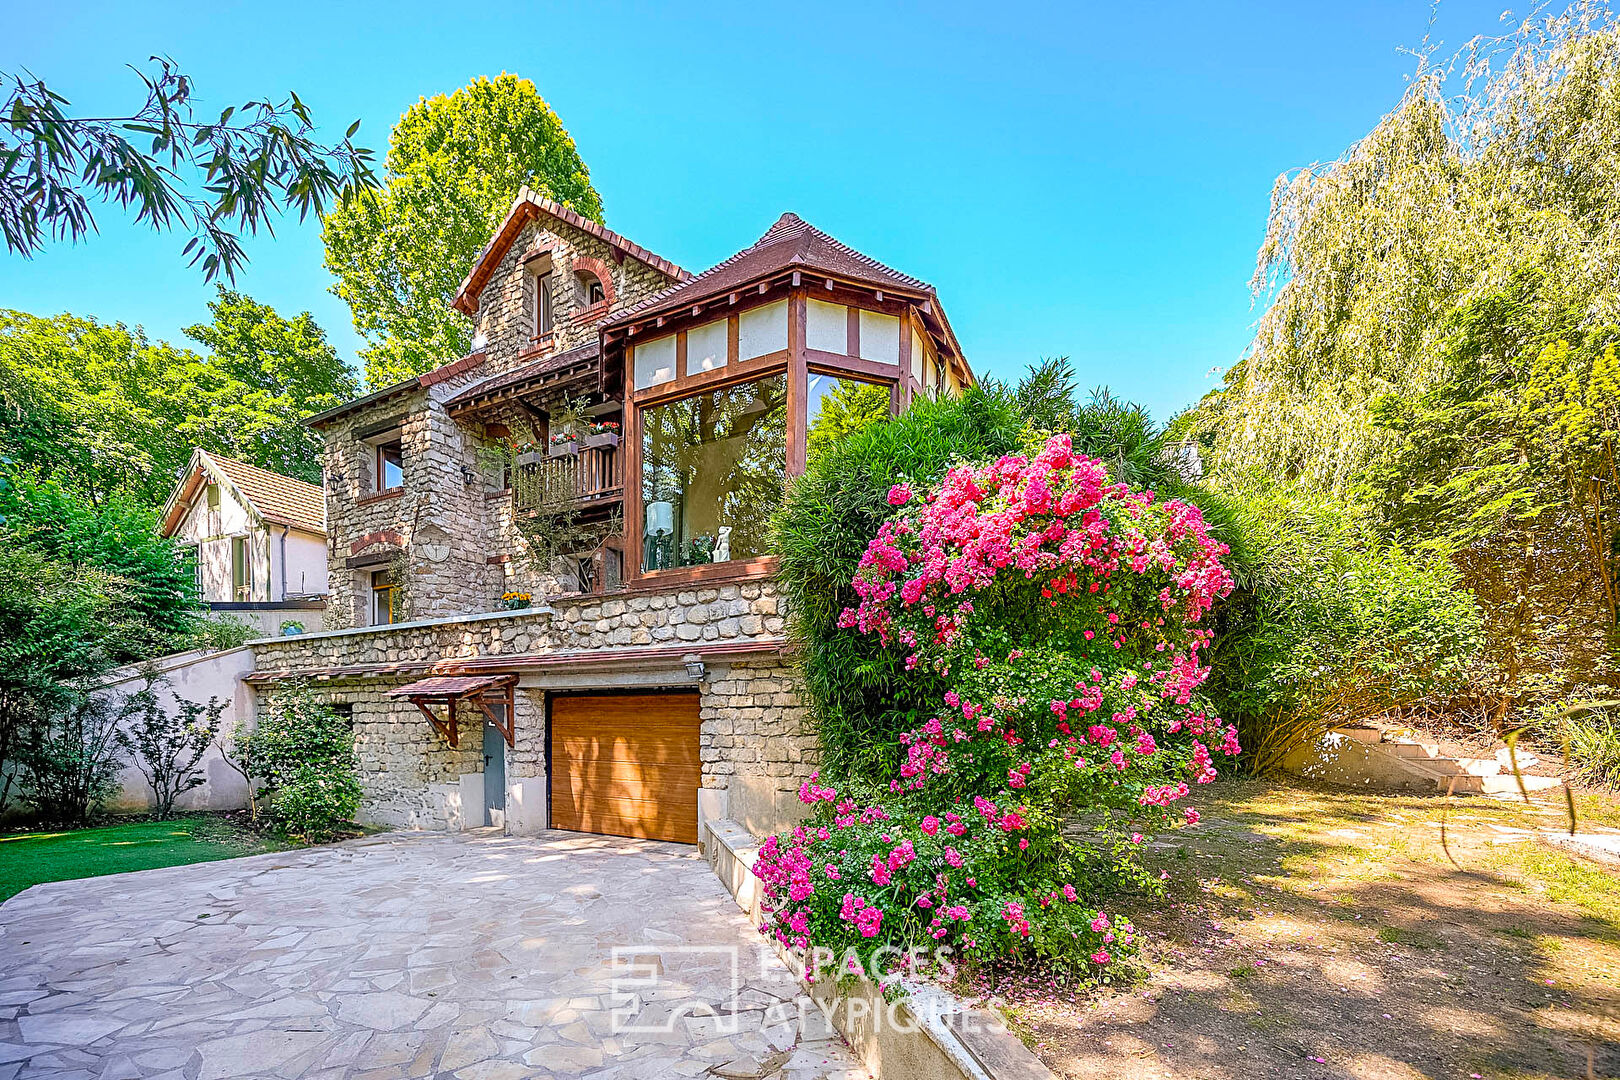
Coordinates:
[625,765]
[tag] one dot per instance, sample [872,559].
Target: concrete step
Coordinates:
[1505,784]
[1411,748]
[1526,759]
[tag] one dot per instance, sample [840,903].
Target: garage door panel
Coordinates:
[623,779]
[626,765]
[644,751]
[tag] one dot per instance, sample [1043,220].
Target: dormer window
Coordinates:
[390,466]
[591,291]
[542,306]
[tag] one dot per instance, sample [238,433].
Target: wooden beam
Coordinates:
[506,728]
[447,730]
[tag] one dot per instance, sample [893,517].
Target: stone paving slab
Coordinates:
[475,956]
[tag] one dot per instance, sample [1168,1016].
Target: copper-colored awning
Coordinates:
[449,686]
[446,690]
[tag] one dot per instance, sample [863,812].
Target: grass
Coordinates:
[32,858]
[1310,932]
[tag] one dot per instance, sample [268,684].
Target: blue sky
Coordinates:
[1088,180]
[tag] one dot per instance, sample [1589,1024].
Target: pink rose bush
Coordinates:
[1063,612]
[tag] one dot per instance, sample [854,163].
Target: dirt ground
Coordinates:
[1313,933]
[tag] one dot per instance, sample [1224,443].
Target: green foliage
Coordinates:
[303,754]
[156,592]
[861,695]
[70,768]
[847,408]
[1592,743]
[205,178]
[1330,623]
[1437,345]
[58,623]
[270,373]
[219,633]
[455,163]
[105,411]
[166,745]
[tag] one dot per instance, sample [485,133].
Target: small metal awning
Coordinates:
[447,690]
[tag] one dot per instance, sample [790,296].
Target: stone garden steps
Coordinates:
[1369,756]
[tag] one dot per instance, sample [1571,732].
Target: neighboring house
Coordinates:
[259,540]
[647,687]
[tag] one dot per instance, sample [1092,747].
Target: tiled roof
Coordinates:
[526,372]
[451,686]
[790,243]
[277,498]
[524,206]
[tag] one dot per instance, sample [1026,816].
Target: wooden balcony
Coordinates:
[591,478]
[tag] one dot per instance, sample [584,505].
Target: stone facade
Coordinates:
[506,307]
[448,530]
[754,745]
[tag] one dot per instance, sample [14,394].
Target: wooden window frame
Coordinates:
[796,362]
[391,589]
[241,582]
[379,450]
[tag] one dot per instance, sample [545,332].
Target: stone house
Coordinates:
[610,453]
[258,540]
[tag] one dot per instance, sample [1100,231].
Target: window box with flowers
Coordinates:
[528,455]
[516,601]
[602,433]
[564,444]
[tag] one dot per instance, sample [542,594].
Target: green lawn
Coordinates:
[34,857]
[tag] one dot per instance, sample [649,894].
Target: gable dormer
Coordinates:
[549,278]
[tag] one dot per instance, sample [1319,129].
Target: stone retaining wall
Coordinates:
[754,745]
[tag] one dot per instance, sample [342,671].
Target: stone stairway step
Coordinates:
[1411,748]
[1506,784]
[1525,758]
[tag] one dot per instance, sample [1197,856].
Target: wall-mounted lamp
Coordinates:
[694,666]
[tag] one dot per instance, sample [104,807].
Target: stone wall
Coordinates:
[754,744]
[436,525]
[506,306]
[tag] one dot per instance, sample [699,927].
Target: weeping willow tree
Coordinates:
[1441,311]
[1503,157]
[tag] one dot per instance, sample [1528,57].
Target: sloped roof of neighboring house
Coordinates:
[270,496]
[525,206]
[791,243]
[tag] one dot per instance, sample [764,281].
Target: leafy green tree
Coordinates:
[1505,159]
[71,769]
[59,625]
[455,163]
[105,411]
[213,179]
[164,744]
[156,591]
[289,372]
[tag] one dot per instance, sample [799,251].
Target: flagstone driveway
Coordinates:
[474,956]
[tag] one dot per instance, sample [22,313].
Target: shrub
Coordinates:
[862,698]
[166,746]
[1060,615]
[220,633]
[1330,624]
[71,769]
[303,754]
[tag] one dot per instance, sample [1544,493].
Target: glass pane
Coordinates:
[835,407]
[712,472]
[655,362]
[706,347]
[390,466]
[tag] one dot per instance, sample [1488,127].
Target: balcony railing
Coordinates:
[591,476]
